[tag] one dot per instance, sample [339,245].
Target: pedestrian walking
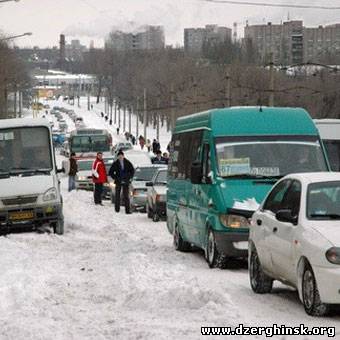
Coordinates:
[102,114]
[155,146]
[166,157]
[73,169]
[117,130]
[122,172]
[99,177]
[91,106]
[133,140]
[141,142]
[148,144]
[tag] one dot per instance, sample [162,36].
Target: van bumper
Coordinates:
[42,215]
[232,244]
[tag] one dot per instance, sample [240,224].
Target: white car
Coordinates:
[295,238]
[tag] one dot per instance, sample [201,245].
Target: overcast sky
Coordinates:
[93,19]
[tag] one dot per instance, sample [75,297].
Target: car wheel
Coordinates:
[149,211]
[310,294]
[155,217]
[179,243]
[58,227]
[259,281]
[214,258]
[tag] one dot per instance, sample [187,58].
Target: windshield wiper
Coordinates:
[18,171]
[330,216]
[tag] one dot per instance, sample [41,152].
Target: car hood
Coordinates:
[84,173]
[330,230]
[139,184]
[244,194]
[160,189]
[28,185]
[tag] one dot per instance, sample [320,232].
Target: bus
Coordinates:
[85,143]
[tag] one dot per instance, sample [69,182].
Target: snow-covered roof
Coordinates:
[22,122]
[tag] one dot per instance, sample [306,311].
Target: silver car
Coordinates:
[143,175]
[84,175]
[156,195]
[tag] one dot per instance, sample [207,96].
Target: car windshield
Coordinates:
[25,149]
[90,144]
[84,165]
[144,174]
[269,158]
[323,201]
[161,177]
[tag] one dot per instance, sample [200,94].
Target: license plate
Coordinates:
[21,215]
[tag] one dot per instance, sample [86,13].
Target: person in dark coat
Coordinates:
[72,172]
[99,177]
[122,172]
[159,159]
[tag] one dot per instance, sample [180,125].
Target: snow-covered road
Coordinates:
[113,276]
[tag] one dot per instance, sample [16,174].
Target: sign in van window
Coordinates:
[7,136]
[234,166]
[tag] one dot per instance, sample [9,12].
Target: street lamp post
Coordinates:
[16,36]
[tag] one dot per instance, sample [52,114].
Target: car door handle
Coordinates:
[274,229]
[259,222]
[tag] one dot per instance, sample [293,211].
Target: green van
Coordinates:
[223,163]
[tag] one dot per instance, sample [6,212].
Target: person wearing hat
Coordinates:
[122,172]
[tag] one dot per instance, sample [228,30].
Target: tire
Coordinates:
[155,217]
[179,243]
[58,227]
[149,211]
[214,258]
[310,294]
[259,281]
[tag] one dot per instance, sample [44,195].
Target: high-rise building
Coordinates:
[319,41]
[194,38]
[150,38]
[75,50]
[283,41]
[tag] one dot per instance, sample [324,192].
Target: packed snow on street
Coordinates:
[117,276]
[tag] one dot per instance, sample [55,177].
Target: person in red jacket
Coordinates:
[99,177]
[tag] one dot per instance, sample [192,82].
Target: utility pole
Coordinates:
[145,116]
[173,117]
[15,101]
[157,116]
[115,112]
[119,116]
[124,118]
[88,99]
[271,80]
[137,118]
[228,90]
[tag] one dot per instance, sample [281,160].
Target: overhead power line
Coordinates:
[270,4]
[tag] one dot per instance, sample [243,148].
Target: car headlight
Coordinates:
[81,178]
[333,255]
[234,221]
[50,195]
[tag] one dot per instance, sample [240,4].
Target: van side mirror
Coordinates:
[286,215]
[196,173]
[149,184]
[59,171]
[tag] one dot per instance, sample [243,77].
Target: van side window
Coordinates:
[189,150]
[174,151]
[206,162]
[274,200]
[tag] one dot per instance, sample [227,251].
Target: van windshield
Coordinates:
[25,149]
[269,158]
